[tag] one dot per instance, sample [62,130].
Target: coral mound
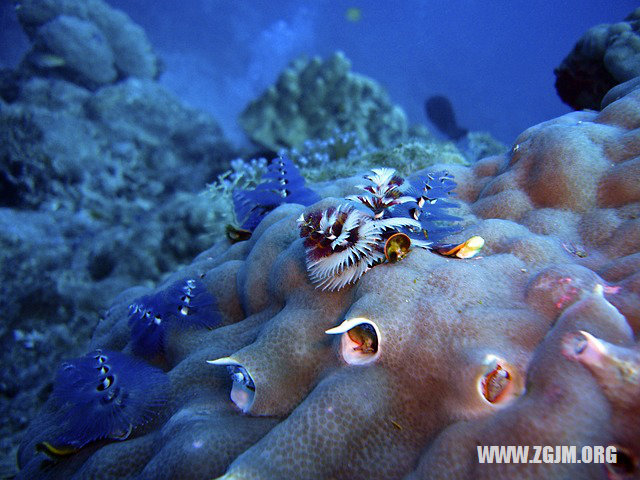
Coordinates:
[86,42]
[405,373]
[312,99]
[605,56]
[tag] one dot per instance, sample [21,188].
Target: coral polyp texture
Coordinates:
[403,374]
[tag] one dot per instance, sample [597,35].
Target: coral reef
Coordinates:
[88,43]
[312,98]
[320,158]
[64,147]
[605,56]
[90,199]
[406,373]
[339,156]
[344,155]
[406,158]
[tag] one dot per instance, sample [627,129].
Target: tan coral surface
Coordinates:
[485,351]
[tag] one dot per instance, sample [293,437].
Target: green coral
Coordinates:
[312,99]
[405,158]
[242,175]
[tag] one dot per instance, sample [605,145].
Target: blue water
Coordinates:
[494,59]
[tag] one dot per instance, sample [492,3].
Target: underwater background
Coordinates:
[488,58]
[197,198]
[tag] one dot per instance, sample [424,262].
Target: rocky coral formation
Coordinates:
[530,343]
[313,98]
[88,43]
[108,160]
[605,56]
[61,142]
[101,171]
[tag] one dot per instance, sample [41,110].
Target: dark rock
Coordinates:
[604,57]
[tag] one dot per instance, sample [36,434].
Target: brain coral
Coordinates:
[529,343]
